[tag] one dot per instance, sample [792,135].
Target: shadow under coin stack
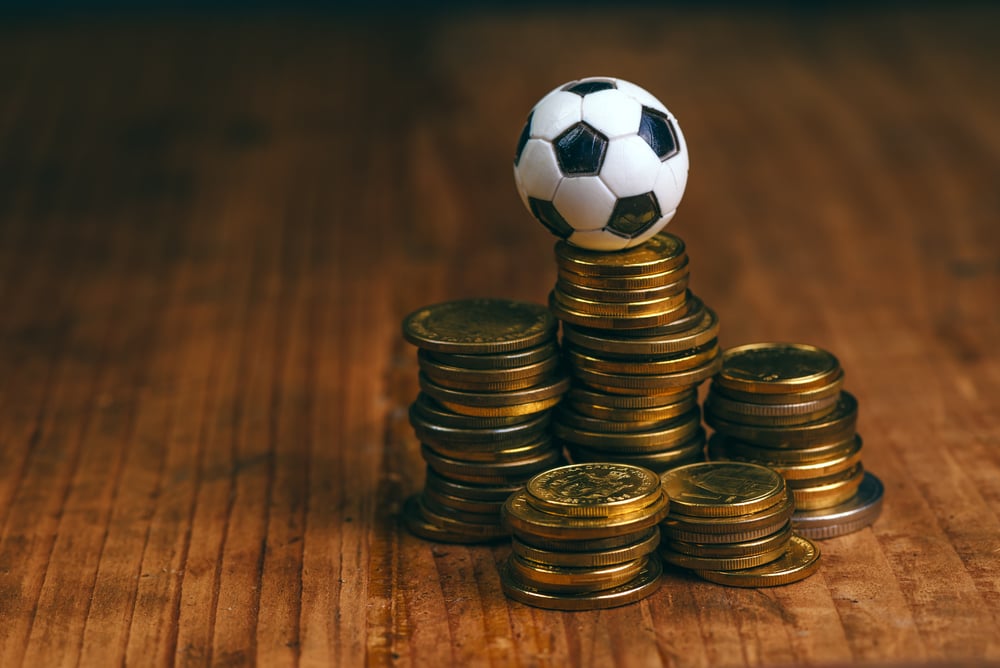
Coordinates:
[638,344]
[729,522]
[781,405]
[489,377]
[585,537]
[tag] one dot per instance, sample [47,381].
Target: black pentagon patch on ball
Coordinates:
[582,88]
[580,150]
[634,215]
[523,139]
[545,212]
[657,130]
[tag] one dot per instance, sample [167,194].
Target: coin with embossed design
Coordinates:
[722,489]
[598,489]
[772,368]
[477,326]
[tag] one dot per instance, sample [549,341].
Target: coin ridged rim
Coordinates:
[648,381]
[500,435]
[831,389]
[739,372]
[435,368]
[839,460]
[569,416]
[489,530]
[442,508]
[527,325]
[588,559]
[528,408]
[421,527]
[696,310]
[496,361]
[712,529]
[644,584]
[543,456]
[659,365]
[578,393]
[485,493]
[462,503]
[662,252]
[682,485]
[493,456]
[560,311]
[829,494]
[638,282]
[689,452]
[557,387]
[433,412]
[721,563]
[648,415]
[767,420]
[642,487]
[786,456]
[565,579]
[629,309]
[744,548]
[799,562]
[858,512]
[522,517]
[570,287]
[704,331]
[492,387]
[725,405]
[835,427]
[586,545]
[663,437]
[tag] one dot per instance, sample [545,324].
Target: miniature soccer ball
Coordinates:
[601,163]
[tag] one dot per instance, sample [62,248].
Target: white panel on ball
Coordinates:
[555,113]
[630,166]
[668,194]
[538,169]
[585,202]
[612,113]
[644,97]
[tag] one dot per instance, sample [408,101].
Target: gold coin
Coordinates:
[456,522]
[830,491]
[522,517]
[448,397]
[722,489]
[644,584]
[430,411]
[800,560]
[835,427]
[778,539]
[637,282]
[436,369]
[579,394]
[570,580]
[593,490]
[631,383]
[857,512]
[726,447]
[729,529]
[588,559]
[661,438]
[704,331]
[483,493]
[421,527]
[682,323]
[721,563]
[646,365]
[617,296]
[489,386]
[731,409]
[492,456]
[566,313]
[477,326]
[660,461]
[528,408]
[595,545]
[491,438]
[661,253]
[630,309]
[649,415]
[568,416]
[770,368]
[831,389]
[540,458]
[844,457]
[441,507]
[461,503]
[498,361]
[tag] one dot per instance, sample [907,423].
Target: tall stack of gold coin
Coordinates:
[585,537]
[781,405]
[490,375]
[729,522]
[638,343]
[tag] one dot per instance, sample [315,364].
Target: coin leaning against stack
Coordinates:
[782,405]
[638,344]
[585,537]
[490,374]
[729,522]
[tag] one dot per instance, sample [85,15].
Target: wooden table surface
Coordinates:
[212,225]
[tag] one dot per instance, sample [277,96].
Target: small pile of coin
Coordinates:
[729,522]
[638,344]
[781,405]
[585,537]
[489,376]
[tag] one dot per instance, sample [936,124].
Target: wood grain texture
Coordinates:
[211,227]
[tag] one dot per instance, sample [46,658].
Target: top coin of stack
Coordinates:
[782,405]
[489,376]
[638,344]
[584,537]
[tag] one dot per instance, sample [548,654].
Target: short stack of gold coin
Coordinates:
[489,377]
[781,405]
[585,537]
[729,522]
[638,345]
